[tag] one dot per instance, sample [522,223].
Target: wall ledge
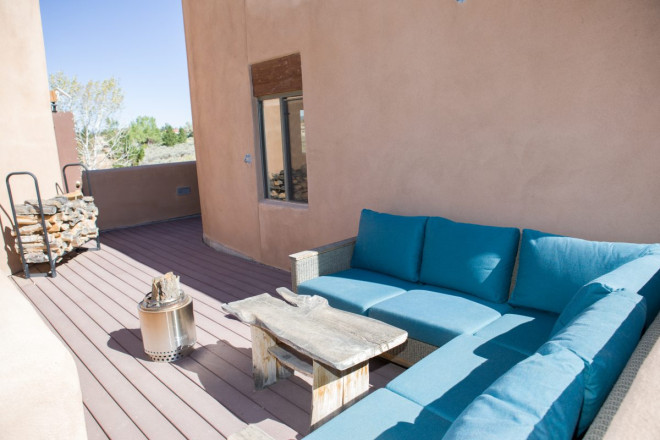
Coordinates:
[224,249]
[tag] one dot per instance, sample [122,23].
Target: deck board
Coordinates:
[94,431]
[238,266]
[108,314]
[92,306]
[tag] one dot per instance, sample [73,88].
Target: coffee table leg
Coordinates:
[266,369]
[333,390]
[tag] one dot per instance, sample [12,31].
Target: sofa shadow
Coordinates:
[411,431]
[495,363]
[494,359]
[492,366]
[529,335]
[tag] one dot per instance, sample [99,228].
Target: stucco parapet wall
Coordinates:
[41,395]
[142,167]
[145,194]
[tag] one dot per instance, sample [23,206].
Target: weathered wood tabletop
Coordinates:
[309,325]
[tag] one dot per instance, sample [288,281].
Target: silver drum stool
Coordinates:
[168,328]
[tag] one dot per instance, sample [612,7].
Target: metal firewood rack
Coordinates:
[44,229]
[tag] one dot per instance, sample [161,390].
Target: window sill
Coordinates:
[284,204]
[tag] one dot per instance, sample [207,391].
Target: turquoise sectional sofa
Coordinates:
[533,361]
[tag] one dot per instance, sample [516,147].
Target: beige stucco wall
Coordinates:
[41,397]
[26,124]
[523,113]
[138,195]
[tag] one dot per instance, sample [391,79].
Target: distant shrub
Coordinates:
[168,136]
[162,154]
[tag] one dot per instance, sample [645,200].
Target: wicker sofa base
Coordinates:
[409,353]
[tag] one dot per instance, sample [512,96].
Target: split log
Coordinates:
[29,209]
[26,220]
[38,238]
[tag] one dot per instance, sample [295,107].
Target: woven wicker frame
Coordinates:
[409,353]
[601,423]
[324,260]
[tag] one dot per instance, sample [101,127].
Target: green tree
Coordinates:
[168,136]
[143,130]
[182,136]
[93,105]
[129,155]
[126,152]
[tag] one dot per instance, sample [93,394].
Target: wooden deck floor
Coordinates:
[92,306]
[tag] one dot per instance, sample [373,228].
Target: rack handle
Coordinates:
[66,182]
[43,222]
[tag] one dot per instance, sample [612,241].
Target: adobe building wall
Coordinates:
[532,114]
[26,123]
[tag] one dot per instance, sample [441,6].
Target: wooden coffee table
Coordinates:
[285,335]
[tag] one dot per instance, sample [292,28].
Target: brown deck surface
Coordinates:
[92,306]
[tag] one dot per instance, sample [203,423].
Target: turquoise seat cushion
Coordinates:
[390,244]
[632,276]
[383,415]
[437,316]
[604,336]
[355,290]
[524,330]
[474,259]
[539,398]
[447,380]
[553,268]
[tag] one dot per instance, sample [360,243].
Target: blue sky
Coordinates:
[139,42]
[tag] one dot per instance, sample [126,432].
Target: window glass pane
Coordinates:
[273,149]
[297,149]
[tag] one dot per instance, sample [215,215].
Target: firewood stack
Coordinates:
[277,190]
[70,222]
[299,181]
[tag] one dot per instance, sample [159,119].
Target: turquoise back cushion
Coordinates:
[539,398]
[586,296]
[553,268]
[389,244]
[632,276]
[604,336]
[474,259]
